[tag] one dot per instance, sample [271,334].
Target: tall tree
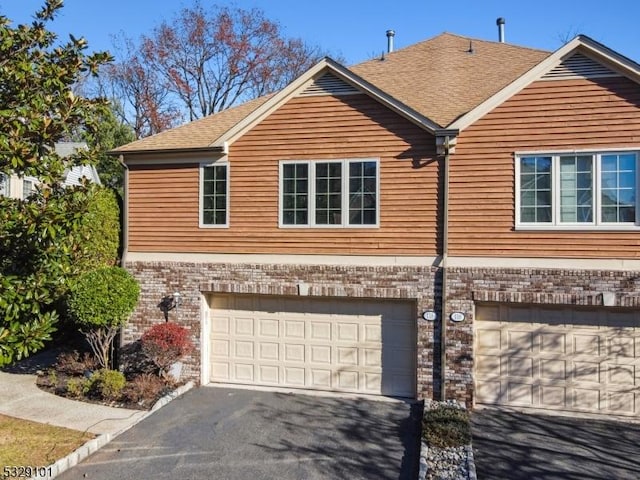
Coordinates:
[143,98]
[207,60]
[38,236]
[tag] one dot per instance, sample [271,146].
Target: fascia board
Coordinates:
[301,82]
[581,43]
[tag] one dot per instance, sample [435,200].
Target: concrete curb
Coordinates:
[100,441]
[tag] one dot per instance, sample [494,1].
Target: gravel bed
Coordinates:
[454,463]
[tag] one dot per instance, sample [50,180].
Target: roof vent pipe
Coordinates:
[500,24]
[390,35]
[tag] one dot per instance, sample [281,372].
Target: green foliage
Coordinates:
[39,237]
[446,426]
[108,384]
[99,231]
[103,298]
[77,387]
[100,302]
[112,134]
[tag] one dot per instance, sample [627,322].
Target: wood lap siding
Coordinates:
[546,116]
[163,200]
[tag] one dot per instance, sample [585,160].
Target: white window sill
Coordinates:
[577,228]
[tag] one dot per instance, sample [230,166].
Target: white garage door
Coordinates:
[363,346]
[571,359]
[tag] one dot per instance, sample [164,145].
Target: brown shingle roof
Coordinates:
[438,78]
[442,80]
[197,134]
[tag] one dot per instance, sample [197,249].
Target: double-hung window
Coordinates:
[334,193]
[29,185]
[577,190]
[214,194]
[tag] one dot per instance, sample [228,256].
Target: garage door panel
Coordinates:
[623,403]
[244,371]
[586,360]
[221,325]
[586,344]
[555,370]
[553,396]
[320,331]
[244,349]
[520,393]
[321,379]
[269,374]
[586,372]
[347,356]
[269,328]
[363,346]
[320,354]
[243,326]
[520,367]
[269,351]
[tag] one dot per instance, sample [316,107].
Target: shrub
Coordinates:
[100,230]
[446,426]
[144,389]
[100,302]
[72,363]
[165,344]
[108,384]
[77,387]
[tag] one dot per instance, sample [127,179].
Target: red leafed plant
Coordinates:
[165,344]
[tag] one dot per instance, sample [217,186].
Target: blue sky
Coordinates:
[355,29]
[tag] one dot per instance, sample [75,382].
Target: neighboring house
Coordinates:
[313,233]
[21,187]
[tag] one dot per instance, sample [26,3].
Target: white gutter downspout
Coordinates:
[445,143]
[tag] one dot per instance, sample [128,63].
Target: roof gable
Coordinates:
[607,61]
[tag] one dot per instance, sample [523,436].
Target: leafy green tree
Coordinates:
[100,302]
[99,230]
[112,134]
[40,236]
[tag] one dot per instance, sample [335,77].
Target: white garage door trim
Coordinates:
[314,343]
[569,359]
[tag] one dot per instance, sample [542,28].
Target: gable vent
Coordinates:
[329,84]
[579,66]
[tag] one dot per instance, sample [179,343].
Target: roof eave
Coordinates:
[219,149]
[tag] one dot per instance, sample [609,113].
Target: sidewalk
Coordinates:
[21,398]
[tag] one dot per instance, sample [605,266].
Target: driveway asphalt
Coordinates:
[518,446]
[225,433]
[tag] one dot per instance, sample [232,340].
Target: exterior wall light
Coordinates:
[170,302]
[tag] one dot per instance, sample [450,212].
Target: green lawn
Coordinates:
[26,443]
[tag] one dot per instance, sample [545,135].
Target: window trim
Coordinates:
[311,193]
[211,163]
[596,224]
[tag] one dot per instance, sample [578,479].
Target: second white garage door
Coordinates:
[559,358]
[363,346]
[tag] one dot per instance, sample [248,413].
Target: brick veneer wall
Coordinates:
[466,286]
[158,279]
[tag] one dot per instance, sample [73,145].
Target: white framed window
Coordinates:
[330,193]
[4,185]
[577,190]
[29,185]
[214,194]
